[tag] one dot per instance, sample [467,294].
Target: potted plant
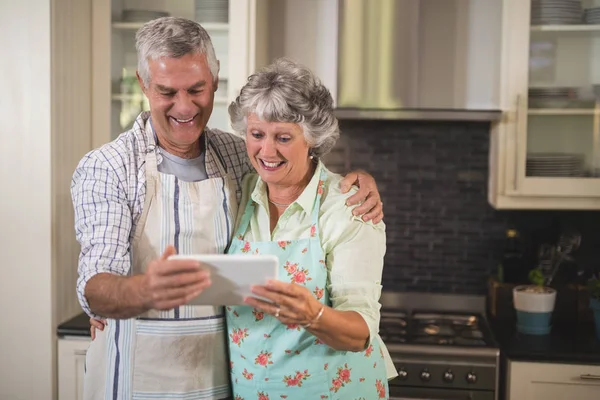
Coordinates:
[534,305]
[594,287]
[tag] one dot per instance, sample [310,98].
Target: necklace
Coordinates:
[279,204]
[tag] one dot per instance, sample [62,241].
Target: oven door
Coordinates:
[416,393]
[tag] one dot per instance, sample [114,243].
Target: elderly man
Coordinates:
[169,185]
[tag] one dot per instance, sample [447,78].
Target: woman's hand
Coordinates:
[97,324]
[294,304]
[368,195]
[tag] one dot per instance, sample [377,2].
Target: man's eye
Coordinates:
[195,91]
[256,135]
[168,94]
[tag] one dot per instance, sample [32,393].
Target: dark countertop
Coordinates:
[79,325]
[567,343]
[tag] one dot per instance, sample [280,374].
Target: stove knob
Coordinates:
[471,377]
[402,374]
[425,375]
[448,376]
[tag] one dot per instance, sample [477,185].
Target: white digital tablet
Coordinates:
[232,276]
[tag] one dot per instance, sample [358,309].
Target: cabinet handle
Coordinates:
[590,377]
[517,119]
[80,352]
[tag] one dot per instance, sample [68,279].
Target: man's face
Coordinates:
[181,94]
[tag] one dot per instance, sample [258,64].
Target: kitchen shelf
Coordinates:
[563,111]
[209,26]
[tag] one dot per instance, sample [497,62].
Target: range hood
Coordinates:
[419,59]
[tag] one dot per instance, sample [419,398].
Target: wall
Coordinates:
[442,235]
[26,334]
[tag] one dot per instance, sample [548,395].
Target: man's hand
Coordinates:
[166,284]
[171,283]
[368,195]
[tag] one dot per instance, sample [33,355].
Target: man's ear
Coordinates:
[140,81]
[216,78]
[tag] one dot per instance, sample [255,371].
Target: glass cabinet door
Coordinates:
[561,152]
[127,99]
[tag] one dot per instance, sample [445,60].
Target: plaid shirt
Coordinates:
[108,191]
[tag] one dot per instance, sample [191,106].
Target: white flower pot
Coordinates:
[534,306]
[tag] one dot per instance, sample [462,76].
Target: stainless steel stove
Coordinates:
[441,345]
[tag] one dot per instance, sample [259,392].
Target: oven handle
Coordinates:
[590,377]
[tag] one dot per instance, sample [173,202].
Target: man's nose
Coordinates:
[184,105]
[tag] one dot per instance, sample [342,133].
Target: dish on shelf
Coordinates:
[556,12]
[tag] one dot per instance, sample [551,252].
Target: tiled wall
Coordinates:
[442,234]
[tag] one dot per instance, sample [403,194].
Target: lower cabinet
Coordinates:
[550,381]
[71,366]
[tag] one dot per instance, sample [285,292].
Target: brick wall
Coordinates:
[442,235]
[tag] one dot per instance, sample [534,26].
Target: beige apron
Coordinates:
[180,353]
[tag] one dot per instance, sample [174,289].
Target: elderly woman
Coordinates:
[318,336]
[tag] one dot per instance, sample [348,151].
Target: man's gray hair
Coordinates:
[172,37]
[286,91]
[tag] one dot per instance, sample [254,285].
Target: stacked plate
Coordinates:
[555,164]
[556,97]
[592,15]
[212,10]
[142,15]
[556,12]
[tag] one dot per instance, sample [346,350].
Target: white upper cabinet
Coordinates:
[545,153]
[117,97]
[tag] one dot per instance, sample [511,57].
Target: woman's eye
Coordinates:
[284,139]
[256,135]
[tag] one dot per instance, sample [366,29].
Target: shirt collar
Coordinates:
[306,200]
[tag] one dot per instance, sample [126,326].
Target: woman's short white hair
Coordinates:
[286,91]
[173,37]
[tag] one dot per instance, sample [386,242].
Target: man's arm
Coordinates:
[103,223]
[368,195]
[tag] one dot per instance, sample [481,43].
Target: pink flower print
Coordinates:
[326,366]
[247,375]
[380,352]
[301,277]
[361,379]
[297,352]
[246,247]
[297,379]
[318,293]
[231,364]
[375,365]
[258,315]
[263,359]
[304,250]
[240,237]
[293,327]
[318,341]
[344,373]
[255,251]
[313,230]
[380,389]
[263,396]
[290,268]
[235,313]
[267,336]
[284,243]
[368,351]
[283,396]
[336,384]
[324,396]
[266,379]
[238,335]
[238,397]
[321,187]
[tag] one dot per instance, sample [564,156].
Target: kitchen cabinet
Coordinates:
[545,152]
[542,381]
[116,96]
[71,366]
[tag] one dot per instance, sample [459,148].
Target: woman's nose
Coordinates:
[268,148]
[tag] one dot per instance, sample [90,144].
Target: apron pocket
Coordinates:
[180,356]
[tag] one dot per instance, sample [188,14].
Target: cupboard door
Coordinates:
[71,367]
[554,72]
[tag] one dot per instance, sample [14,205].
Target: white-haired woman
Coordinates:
[319,338]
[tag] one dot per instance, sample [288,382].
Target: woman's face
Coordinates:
[278,151]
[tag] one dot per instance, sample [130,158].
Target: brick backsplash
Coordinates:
[442,234]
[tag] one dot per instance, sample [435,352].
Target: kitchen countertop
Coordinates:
[79,325]
[568,343]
